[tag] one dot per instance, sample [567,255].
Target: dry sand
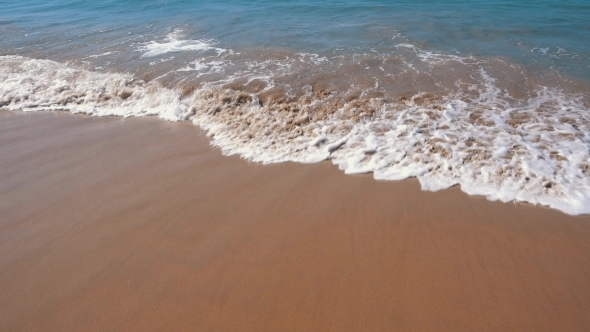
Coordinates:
[137,224]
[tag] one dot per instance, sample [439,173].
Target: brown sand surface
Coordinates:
[110,224]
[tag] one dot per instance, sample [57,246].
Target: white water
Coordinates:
[173,43]
[534,150]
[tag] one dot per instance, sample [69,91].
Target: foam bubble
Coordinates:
[32,85]
[204,67]
[531,147]
[533,150]
[173,43]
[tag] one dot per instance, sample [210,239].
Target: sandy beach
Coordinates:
[112,224]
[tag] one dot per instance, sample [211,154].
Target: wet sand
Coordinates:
[138,225]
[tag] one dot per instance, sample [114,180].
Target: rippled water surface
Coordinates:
[490,95]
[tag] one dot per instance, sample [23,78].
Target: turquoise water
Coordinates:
[493,96]
[544,33]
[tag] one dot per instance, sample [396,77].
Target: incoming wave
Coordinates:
[530,146]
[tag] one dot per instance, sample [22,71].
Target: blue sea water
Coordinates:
[491,95]
[544,33]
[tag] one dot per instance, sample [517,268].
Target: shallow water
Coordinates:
[491,95]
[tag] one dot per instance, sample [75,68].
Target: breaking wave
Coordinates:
[484,124]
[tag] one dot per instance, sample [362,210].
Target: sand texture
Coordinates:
[111,224]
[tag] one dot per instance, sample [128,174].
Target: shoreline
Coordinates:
[138,224]
[526,145]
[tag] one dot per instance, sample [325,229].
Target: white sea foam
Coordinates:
[533,149]
[32,85]
[434,57]
[556,52]
[173,43]
[314,58]
[205,67]
[523,163]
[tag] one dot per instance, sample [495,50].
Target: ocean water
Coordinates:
[491,95]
